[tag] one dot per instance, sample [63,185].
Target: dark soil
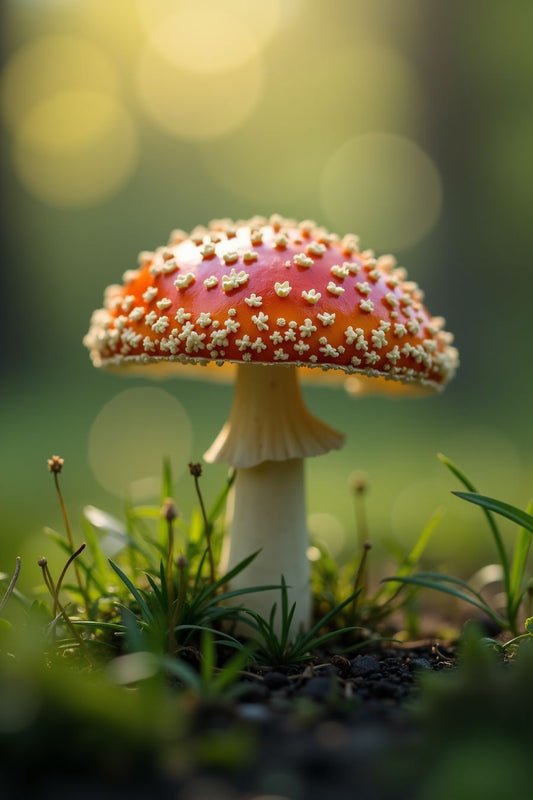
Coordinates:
[335,729]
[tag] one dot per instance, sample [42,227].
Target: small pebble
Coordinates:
[319,688]
[362,666]
[276,680]
[254,692]
[419,663]
[253,712]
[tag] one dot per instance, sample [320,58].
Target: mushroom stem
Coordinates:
[268,515]
[269,433]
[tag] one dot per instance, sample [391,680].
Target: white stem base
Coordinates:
[269,433]
[269,515]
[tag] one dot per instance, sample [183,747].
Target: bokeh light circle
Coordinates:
[48,65]
[195,105]
[204,17]
[223,44]
[384,188]
[327,530]
[132,435]
[75,148]
[281,155]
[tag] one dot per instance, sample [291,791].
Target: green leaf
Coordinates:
[249,590]
[227,676]
[166,492]
[504,509]
[144,512]
[218,506]
[210,591]
[227,640]
[133,630]
[147,614]
[454,469]
[208,657]
[415,554]
[332,613]
[518,566]
[91,623]
[167,486]
[182,671]
[429,583]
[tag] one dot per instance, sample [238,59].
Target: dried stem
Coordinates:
[71,558]
[360,487]
[70,540]
[196,471]
[359,584]
[52,588]
[12,583]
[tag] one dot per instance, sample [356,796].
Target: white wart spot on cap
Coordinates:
[312,296]
[282,289]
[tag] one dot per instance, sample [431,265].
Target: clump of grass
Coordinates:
[511,568]
[370,608]
[150,584]
[283,649]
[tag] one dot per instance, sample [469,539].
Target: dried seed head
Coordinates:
[55,464]
[181,561]
[169,510]
[195,469]
[359,482]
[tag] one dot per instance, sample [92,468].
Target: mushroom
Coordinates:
[271,297]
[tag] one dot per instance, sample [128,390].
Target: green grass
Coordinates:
[150,583]
[511,567]
[137,646]
[150,586]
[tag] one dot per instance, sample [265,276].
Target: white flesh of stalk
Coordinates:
[269,433]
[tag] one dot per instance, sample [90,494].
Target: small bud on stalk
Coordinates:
[169,510]
[55,464]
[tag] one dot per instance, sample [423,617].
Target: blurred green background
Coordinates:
[407,122]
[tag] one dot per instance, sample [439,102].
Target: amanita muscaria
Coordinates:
[271,297]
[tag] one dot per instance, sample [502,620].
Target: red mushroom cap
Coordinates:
[272,292]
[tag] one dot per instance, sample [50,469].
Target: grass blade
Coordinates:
[208,657]
[227,676]
[147,614]
[327,617]
[11,586]
[218,506]
[227,640]
[211,590]
[413,557]
[504,509]
[504,561]
[518,566]
[331,634]
[166,492]
[181,670]
[427,583]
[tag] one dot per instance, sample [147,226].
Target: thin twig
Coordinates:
[70,539]
[49,581]
[80,549]
[195,470]
[12,583]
